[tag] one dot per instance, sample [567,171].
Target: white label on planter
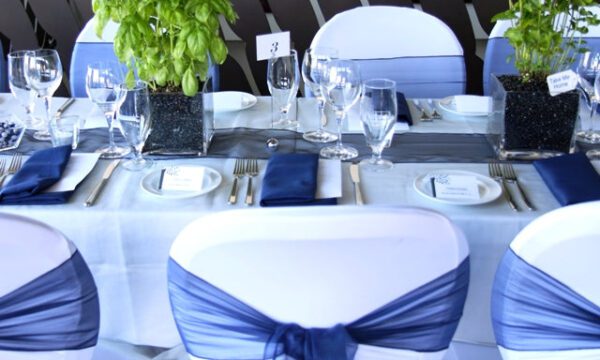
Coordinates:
[272,45]
[562,82]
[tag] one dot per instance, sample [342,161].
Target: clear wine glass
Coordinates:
[587,70]
[378,113]
[313,66]
[135,122]
[283,79]
[17,82]
[102,83]
[43,71]
[341,88]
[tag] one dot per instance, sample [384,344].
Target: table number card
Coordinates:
[455,187]
[181,178]
[272,45]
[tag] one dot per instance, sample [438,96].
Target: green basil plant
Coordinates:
[546,34]
[168,42]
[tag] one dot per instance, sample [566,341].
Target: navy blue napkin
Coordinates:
[571,178]
[403,110]
[290,180]
[42,170]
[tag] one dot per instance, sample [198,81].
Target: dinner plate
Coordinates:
[210,180]
[225,101]
[489,190]
[449,104]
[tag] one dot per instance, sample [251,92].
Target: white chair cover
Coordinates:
[355,258]
[417,50]
[31,249]
[563,244]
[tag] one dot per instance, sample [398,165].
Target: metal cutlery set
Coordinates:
[14,166]
[504,174]
[241,168]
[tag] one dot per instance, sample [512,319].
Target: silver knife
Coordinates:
[107,173]
[64,107]
[354,175]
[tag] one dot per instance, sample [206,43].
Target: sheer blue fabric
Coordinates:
[57,311]
[215,325]
[531,311]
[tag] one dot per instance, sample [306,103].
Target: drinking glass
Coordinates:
[378,112]
[20,88]
[43,72]
[341,88]
[102,83]
[283,81]
[587,70]
[135,122]
[313,66]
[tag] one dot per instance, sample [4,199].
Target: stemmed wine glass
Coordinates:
[283,81]
[378,112]
[587,70]
[20,88]
[313,66]
[341,88]
[135,122]
[102,83]
[43,71]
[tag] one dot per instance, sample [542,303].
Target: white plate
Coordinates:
[489,190]
[225,101]
[210,181]
[449,104]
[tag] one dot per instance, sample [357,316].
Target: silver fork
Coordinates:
[251,171]
[509,174]
[3,173]
[13,167]
[496,174]
[423,115]
[238,173]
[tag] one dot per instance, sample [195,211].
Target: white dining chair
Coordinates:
[239,280]
[546,297]
[48,299]
[409,46]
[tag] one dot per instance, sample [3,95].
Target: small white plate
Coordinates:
[210,181]
[449,104]
[225,101]
[489,190]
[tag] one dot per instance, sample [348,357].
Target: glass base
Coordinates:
[42,135]
[113,152]
[319,136]
[137,165]
[339,152]
[376,165]
[589,137]
[285,124]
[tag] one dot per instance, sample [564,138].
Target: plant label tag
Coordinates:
[562,82]
[459,187]
[181,178]
[272,45]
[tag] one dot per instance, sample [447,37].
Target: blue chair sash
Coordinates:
[215,325]
[56,311]
[532,311]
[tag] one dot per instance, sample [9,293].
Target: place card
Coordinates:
[473,104]
[458,187]
[181,178]
[272,45]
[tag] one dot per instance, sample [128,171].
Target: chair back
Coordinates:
[413,48]
[313,266]
[498,50]
[546,298]
[49,303]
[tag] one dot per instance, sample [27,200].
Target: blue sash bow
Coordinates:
[538,313]
[56,311]
[215,325]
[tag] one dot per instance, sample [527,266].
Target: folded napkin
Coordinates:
[403,110]
[40,171]
[571,178]
[290,180]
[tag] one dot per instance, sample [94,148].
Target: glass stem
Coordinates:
[376,154]
[322,119]
[111,136]
[339,117]
[593,105]
[46,126]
